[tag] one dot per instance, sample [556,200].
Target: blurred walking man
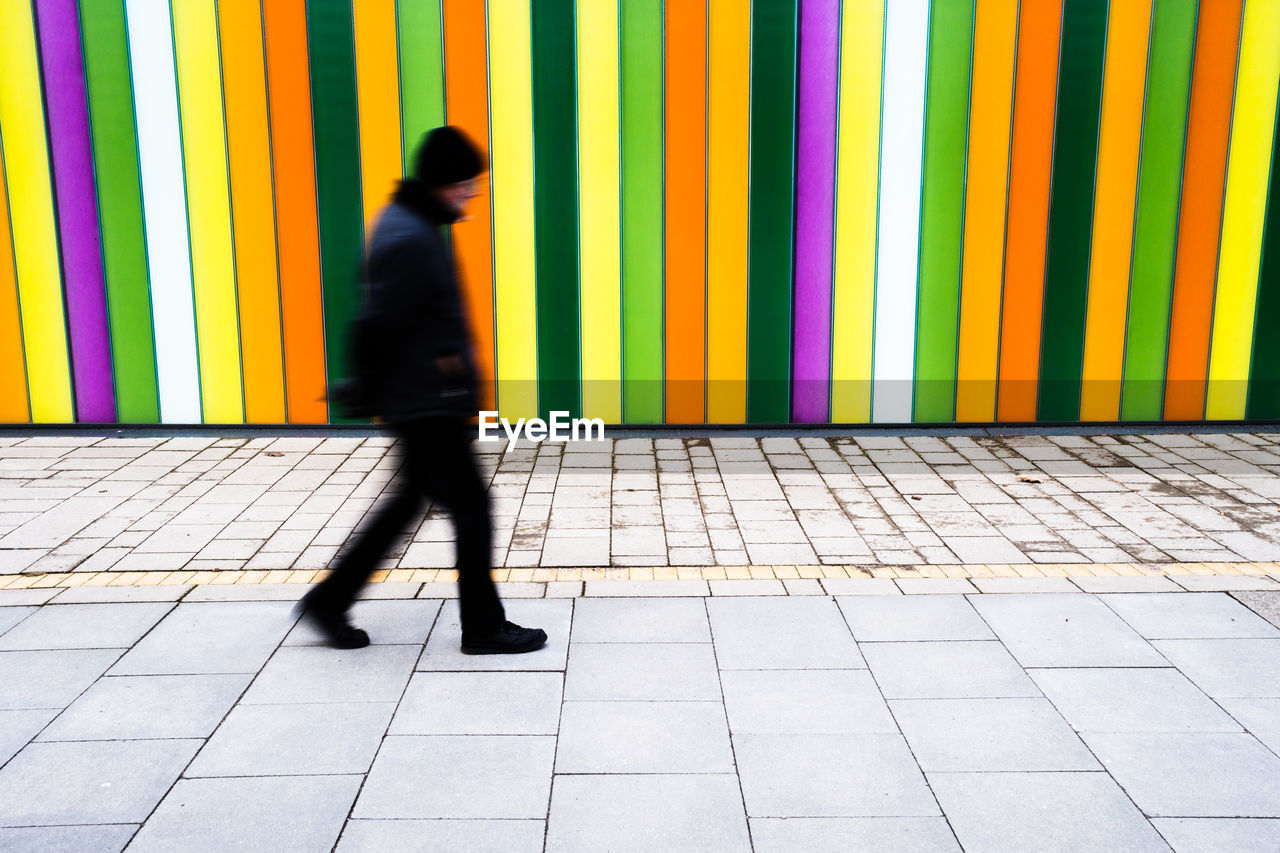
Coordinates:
[411,349]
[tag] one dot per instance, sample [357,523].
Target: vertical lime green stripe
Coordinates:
[124,249]
[598,200]
[204,153]
[331,48]
[31,214]
[774,28]
[1164,130]
[1075,150]
[857,200]
[1239,257]
[641,28]
[1264,368]
[511,131]
[421,72]
[946,129]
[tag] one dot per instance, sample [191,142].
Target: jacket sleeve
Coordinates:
[413,296]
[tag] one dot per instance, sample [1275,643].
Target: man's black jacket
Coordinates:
[412,316]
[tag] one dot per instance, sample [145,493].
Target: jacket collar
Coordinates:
[420,198]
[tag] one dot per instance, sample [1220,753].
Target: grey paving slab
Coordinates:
[129,707]
[210,637]
[1222,583]
[1064,630]
[285,813]
[10,616]
[50,784]
[643,737]
[947,670]
[123,594]
[781,633]
[1024,585]
[640,620]
[388,622]
[646,589]
[311,674]
[1193,775]
[295,740]
[933,617]
[1201,615]
[441,836]
[867,775]
[1215,835]
[108,838]
[762,586]
[443,650]
[935,586]
[84,626]
[642,671]
[17,728]
[480,703]
[50,679]
[1131,700]
[842,834]
[1228,668]
[1265,604]
[1125,583]
[1058,812]
[829,701]
[25,597]
[248,592]
[643,813]
[860,586]
[459,777]
[1260,717]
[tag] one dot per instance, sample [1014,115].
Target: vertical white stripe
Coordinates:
[898,244]
[168,251]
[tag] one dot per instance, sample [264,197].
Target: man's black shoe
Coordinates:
[332,623]
[508,639]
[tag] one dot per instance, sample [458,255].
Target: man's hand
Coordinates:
[451,366]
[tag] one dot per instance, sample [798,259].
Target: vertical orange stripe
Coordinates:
[289,86]
[378,94]
[987,187]
[467,107]
[686,209]
[1119,138]
[252,209]
[1035,88]
[1203,174]
[13,374]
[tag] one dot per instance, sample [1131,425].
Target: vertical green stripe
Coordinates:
[773,84]
[1075,150]
[555,171]
[641,24]
[1164,130]
[124,250]
[421,72]
[1264,367]
[946,131]
[331,50]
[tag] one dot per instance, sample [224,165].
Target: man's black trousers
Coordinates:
[436,464]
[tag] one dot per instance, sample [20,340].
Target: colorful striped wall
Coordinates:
[723,211]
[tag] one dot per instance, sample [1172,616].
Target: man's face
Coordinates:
[458,196]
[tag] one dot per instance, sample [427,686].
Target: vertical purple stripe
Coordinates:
[85,292]
[815,208]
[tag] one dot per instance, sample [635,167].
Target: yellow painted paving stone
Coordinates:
[737,573]
[980,570]
[884,572]
[835,571]
[49,580]
[1253,568]
[281,575]
[253,576]
[615,573]
[127,579]
[1199,569]
[228,577]
[543,575]
[77,578]
[520,575]
[786,572]
[689,573]
[715,573]
[1001,570]
[426,575]
[569,575]
[809,571]
[1056,570]
[956,571]
[1224,568]
[760,572]
[664,573]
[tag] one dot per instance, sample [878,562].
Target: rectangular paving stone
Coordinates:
[645,589]
[841,834]
[17,728]
[640,620]
[89,782]
[1207,615]
[469,777]
[1193,775]
[1064,630]
[84,626]
[1125,583]
[210,637]
[49,679]
[941,617]
[388,622]
[1131,700]
[804,702]
[248,592]
[480,703]
[443,652]
[860,586]
[130,707]
[1210,835]
[1023,585]
[311,674]
[861,775]
[642,671]
[26,597]
[1211,583]
[121,594]
[643,737]
[1228,668]
[109,838]
[286,813]
[378,836]
[642,813]
[10,616]
[295,740]
[947,670]
[781,633]
[762,586]
[1059,812]
[935,586]
[1260,717]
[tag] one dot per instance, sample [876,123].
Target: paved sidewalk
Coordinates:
[988,722]
[975,504]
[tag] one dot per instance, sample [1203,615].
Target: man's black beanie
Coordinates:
[446,156]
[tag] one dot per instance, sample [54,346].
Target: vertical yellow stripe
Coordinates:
[728,153]
[598,177]
[195,29]
[511,177]
[1252,127]
[378,91]
[35,240]
[1119,139]
[857,177]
